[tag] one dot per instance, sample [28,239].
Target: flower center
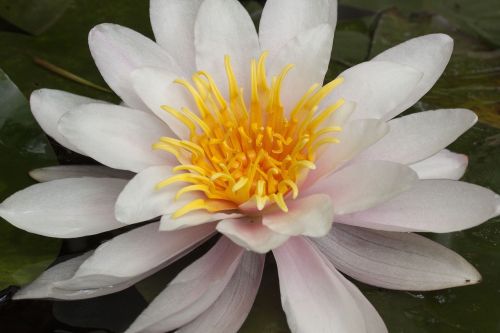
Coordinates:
[238,151]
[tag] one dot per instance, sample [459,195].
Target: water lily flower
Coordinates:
[232,132]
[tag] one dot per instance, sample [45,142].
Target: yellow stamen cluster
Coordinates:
[239,151]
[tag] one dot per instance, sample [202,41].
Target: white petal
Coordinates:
[443,165]
[223,27]
[65,208]
[430,206]
[173,26]
[134,255]
[420,135]
[363,185]
[193,219]
[283,20]
[141,201]
[118,50]
[355,137]
[251,235]
[192,292]
[376,87]
[77,171]
[313,294]
[428,54]
[310,53]
[116,136]
[395,260]
[156,88]
[48,106]
[310,216]
[230,310]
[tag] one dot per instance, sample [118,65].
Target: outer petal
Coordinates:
[173,26]
[365,184]
[251,235]
[77,171]
[223,27]
[117,51]
[65,208]
[192,292]
[308,285]
[230,310]
[310,53]
[48,106]
[420,135]
[376,87]
[116,136]
[429,54]
[283,20]
[443,165]
[431,206]
[395,260]
[310,216]
[130,257]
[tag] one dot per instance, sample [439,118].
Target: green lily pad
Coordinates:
[23,147]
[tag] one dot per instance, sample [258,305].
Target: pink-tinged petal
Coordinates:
[356,136]
[117,51]
[251,234]
[310,53]
[443,165]
[430,206]
[420,135]
[156,88]
[363,185]
[77,171]
[395,260]
[309,216]
[428,54]
[192,292]
[140,200]
[48,106]
[314,295]
[132,256]
[192,219]
[283,20]
[173,26]
[223,27]
[230,310]
[116,136]
[65,208]
[376,87]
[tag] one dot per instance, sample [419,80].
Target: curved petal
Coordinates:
[65,208]
[230,310]
[310,53]
[48,106]
[420,135]
[443,165]
[250,234]
[223,27]
[431,206]
[362,185]
[314,295]
[118,50]
[131,256]
[173,26]
[194,218]
[116,136]
[156,88]
[309,216]
[395,260]
[283,20]
[192,292]
[428,54]
[377,87]
[77,171]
